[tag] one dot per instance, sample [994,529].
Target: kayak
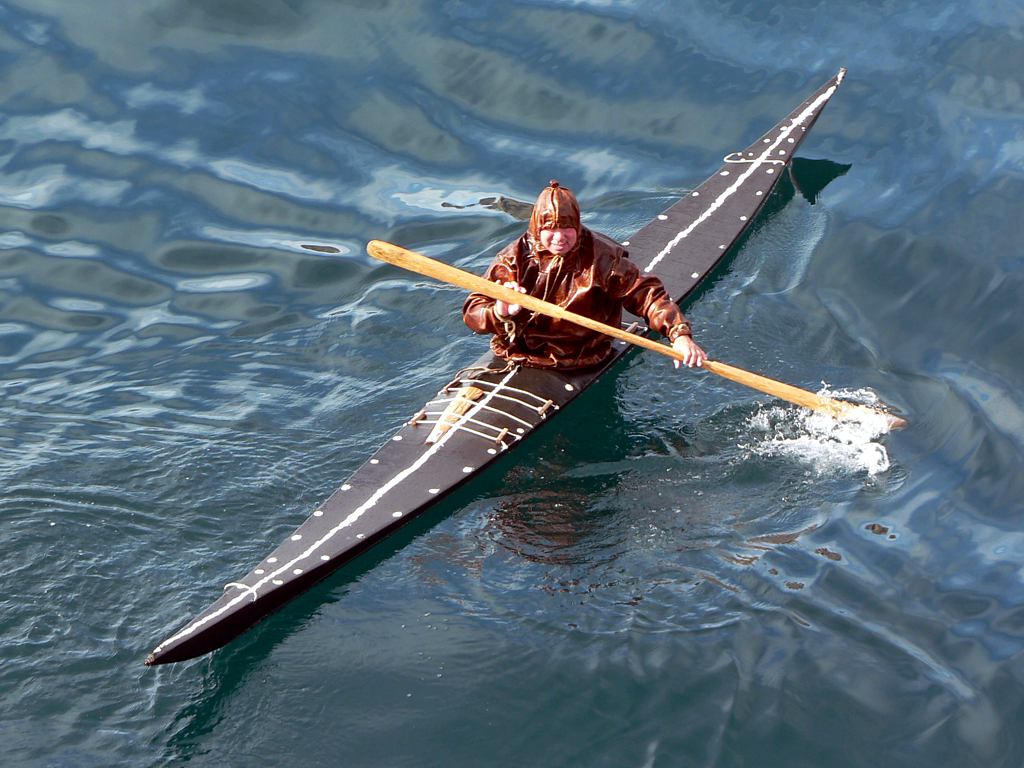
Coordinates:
[492,406]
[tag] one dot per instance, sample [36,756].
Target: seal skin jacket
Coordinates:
[595,279]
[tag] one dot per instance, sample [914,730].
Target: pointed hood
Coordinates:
[556,207]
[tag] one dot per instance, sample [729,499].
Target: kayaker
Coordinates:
[559,260]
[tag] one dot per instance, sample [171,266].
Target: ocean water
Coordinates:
[682,572]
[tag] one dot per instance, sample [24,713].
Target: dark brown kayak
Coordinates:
[489,408]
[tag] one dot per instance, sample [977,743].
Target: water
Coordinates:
[686,573]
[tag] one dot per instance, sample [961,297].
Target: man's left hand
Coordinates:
[691,351]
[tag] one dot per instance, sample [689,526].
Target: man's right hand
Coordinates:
[693,354]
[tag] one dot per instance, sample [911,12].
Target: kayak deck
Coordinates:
[496,405]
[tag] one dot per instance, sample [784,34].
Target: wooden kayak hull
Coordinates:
[423,462]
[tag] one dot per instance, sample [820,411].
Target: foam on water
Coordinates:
[829,446]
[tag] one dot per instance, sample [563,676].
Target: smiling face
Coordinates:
[558,241]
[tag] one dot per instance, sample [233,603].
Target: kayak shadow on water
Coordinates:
[811,176]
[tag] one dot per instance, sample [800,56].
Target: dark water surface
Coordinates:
[682,574]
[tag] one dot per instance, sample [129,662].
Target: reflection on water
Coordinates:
[684,573]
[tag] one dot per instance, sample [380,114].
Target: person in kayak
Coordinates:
[559,260]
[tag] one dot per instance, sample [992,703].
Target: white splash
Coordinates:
[827,445]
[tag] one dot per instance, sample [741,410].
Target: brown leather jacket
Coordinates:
[596,279]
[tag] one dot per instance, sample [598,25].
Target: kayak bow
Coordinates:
[491,408]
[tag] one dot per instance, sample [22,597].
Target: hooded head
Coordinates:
[556,208]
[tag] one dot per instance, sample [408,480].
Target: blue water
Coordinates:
[682,573]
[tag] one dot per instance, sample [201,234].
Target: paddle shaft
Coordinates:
[424,265]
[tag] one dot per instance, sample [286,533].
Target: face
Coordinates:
[558,241]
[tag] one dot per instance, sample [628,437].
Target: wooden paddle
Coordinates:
[424,265]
